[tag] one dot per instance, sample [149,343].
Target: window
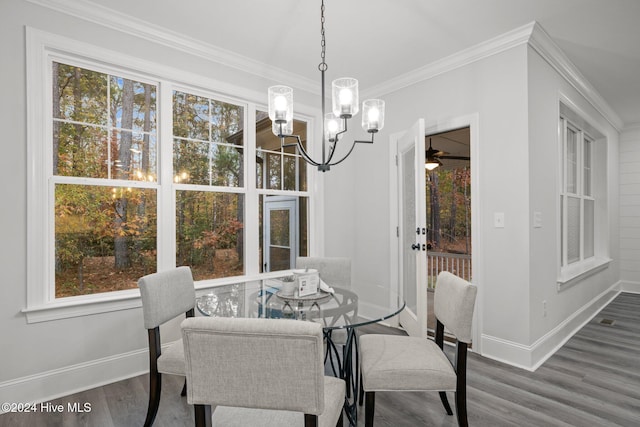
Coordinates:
[576,198]
[131,171]
[582,189]
[208,173]
[283,216]
[104,178]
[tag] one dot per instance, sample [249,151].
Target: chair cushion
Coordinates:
[334,390]
[397,362]
[171,361]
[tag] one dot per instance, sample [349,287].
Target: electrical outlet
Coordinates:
[544,308]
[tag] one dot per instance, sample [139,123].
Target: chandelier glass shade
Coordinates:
[345,105]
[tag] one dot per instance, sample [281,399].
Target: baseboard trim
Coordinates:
[629,286]
[531,357]
[56,383]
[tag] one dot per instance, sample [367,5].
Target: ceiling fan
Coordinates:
[433,157]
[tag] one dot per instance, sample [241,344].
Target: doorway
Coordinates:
[280,236]
[448,208]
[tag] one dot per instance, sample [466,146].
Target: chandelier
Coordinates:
[345,105]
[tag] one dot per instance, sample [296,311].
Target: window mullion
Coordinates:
[580,176]
[109,128]
[251,211]
[166,193]
[564,192]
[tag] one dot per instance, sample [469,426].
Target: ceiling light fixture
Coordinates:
[432,161]
[345,105]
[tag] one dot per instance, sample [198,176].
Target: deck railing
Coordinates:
[458,264]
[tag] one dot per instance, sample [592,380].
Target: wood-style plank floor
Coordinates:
[593,380]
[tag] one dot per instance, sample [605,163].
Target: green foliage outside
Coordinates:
[104,138]
[449,210]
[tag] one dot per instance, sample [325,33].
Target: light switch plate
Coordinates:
[498,219]
[537,219]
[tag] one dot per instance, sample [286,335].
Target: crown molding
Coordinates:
[121,22]
[475,53]
[542,43]
[531,33]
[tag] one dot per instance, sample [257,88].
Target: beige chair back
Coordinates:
[333,271]
[166,295]
[454,301]
[254,363]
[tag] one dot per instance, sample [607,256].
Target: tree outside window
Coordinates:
[104,175]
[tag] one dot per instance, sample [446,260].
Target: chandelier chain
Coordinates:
[334,124]
[323,43]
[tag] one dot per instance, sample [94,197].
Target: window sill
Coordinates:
[65,308]
[574,274]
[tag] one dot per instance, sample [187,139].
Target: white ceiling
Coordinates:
[377,40]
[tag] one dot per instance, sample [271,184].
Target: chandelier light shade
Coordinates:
[344,95]
[345,105]
[280,103]
[332,127]
[372,115]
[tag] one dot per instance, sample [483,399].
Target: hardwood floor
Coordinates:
[593,380]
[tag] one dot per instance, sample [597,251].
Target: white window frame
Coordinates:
[570,273]
[42,49]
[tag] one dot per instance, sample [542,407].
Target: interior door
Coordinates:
[412,230]
[280,233]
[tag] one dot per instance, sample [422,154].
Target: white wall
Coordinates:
[495,88]
[516,97]
[43,360]
[564,308]
[630,208]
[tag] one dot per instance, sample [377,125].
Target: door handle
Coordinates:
[415,246]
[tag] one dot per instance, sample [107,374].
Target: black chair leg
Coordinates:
[155,387]
[202,415]
[310,420]
[184,389]
[445,402]
[461,409]
[369,408]
[361,394]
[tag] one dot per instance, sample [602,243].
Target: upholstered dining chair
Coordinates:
[259,372]
[165,295]
[334,271]
[402,363]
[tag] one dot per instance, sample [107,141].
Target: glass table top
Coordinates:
[263,298]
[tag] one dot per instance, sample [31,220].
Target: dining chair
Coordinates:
[259,372]
[334,271]
[402,363]
[165,296]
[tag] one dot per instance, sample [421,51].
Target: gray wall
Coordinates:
[630,208]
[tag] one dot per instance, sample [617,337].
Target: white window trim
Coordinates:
[40,48]
[571,274]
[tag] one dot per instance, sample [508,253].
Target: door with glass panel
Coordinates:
[280,233]
[412,230]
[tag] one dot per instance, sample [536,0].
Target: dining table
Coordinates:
[337,310]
